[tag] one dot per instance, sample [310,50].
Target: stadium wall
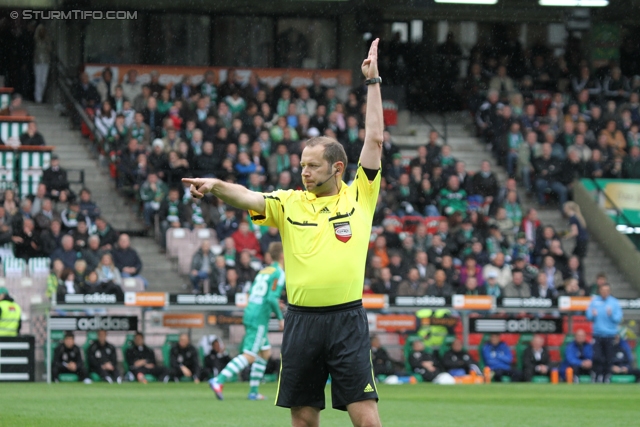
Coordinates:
[603,229]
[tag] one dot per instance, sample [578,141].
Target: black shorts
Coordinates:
[323,341]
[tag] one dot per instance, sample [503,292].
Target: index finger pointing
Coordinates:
[192,181]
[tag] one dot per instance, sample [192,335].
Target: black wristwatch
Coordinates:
[373,81]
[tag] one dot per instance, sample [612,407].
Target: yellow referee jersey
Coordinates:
[325,240]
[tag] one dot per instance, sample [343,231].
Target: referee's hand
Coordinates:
[200,186]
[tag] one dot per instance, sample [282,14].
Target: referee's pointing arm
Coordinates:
[233,194]
[374,123]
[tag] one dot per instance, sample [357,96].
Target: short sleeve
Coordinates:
[365,191]
[274,209]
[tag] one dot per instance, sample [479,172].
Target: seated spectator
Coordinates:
[382,362]
[80,272]
[142,361]
[92,253]
[72,215]
[51,238]
[471,287]
[412,285]
[452,198]
[105,118]
[108,236]
[88,207]
[385,284]
[457,361]
[244,238]
[517,288]
[54,278]
[554,274]
[499,265]
[184,360]
[171,214]
[66,253]
[103,359]
[203,267]
[542,288]
[485,183]
[425,269]
[55,178]
[601,280]
[231,286]
[535,360]
[80,236]
[497,356]
[623,358]
[107,271]
[15,107]
[32,136]
[246,273]
[152,192]
[271,236]
[491,285]
[126,259]
[215,361]
[67,359]
[68,285]
[440,287]
[578,355]
[45,215]
[26,243]
[86,92]
[471,269]
[398,267]
[421,362]
[548,171]
[631,164]
[570,288]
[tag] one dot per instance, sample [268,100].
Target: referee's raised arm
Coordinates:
[232,194]
[374,122]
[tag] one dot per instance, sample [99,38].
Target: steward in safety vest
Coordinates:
[10,315]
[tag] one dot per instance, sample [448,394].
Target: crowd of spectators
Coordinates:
[87,254]
[556,123]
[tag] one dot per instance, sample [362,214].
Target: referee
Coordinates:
[325,234]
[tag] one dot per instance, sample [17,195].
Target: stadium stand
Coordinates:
[429,203]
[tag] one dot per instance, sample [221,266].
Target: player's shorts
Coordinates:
[323,341]
[255,339]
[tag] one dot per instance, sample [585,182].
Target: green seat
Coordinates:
[91,337]
[540,379]
[169,341]
[68,378]
[523,342]
[623,379]
[584,379]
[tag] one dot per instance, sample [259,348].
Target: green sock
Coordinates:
[233,368]
[257,372]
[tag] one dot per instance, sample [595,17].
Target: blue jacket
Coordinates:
[604,325]
[574,355]
[622,355]
[498,357]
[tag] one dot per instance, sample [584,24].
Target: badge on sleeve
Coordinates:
[343,231]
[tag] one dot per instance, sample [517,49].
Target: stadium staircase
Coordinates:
[467,147]
[76,153]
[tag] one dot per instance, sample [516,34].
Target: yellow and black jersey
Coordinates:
[325,239]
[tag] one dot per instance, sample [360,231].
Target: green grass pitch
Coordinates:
[496,405]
